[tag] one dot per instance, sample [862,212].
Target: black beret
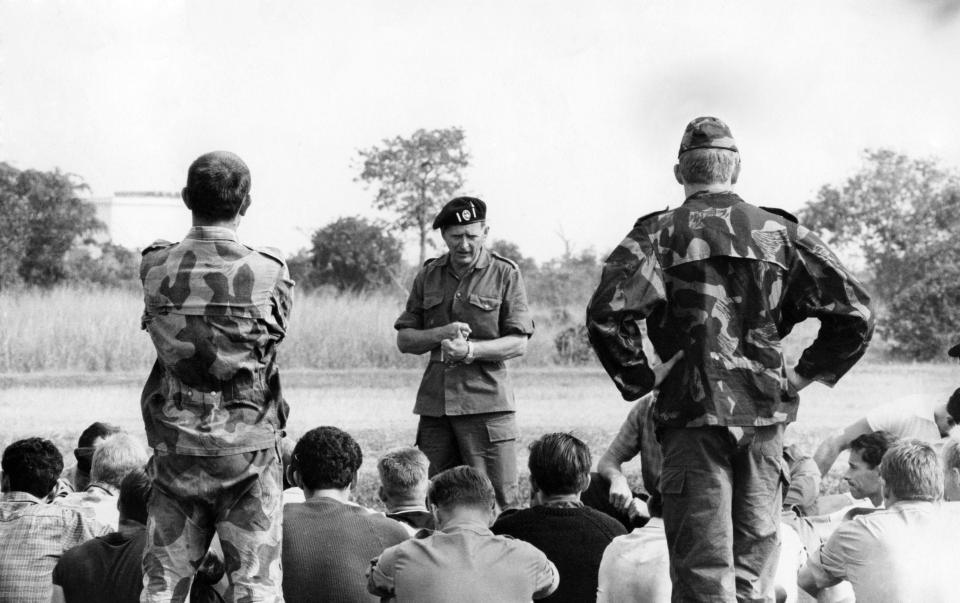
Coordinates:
[459,211]
[954,351]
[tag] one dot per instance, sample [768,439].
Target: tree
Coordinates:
[43,218]
[511,251]
[903,214]
[355,254]
[415,176]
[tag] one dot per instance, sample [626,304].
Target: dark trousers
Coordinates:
[721,511]
[487,442]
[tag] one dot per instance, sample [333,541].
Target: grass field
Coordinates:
[375,406]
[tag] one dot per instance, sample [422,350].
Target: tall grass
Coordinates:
[79,330]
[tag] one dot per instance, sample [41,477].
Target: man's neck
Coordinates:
[405,504]
[342,495]
[231,224]
[557,500]
[876,499]
[716,187]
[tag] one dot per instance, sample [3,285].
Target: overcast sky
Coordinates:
[573,111]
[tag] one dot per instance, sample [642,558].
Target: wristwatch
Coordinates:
[469,357]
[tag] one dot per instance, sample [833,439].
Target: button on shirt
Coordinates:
[490,297]
[463,562]
[33,536]
[216,311]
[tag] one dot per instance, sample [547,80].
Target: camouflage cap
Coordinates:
[459,211]
[954,351]
[707,133]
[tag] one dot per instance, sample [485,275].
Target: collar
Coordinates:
[103,487]
[212,233]
[21,497]
[456,526]
[715,199]
[408,509]
[561,501]
[483,260]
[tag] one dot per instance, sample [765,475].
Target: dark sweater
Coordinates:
[572,538]
[327,548]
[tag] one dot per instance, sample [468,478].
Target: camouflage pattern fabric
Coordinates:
[216,311]
[724,281]
[240,497]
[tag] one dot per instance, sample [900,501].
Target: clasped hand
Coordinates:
[454,340]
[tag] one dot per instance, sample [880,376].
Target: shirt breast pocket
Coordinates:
[433,315]
[484,316]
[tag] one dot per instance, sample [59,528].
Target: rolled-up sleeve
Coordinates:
[515,317]
[412,316]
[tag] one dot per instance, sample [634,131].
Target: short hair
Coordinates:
[951,453]
[953,405]
[709,166]
[560,464]
[85,449]
[402,470]
[115,458]
[327,457]
[217,185]
[911,471]
[135,490]
[32,465]
[461,486]
[872,446]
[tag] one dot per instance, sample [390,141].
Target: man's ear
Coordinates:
[295,477]
[185,195]
[245,205]
[676,174]
[381,494]
[736,172]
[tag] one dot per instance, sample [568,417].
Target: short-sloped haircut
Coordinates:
[461,487]
[327,457]
[217,184]
[135,492]
[709,166]
[32,465]
[118,455]
[872,446]
[560,464]
[402,470]
[911,470]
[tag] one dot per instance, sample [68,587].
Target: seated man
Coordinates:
[118,455]
[559,471]
[77,477]
[905,552]
[951,470]
[863,472]
[33,534]
[328,540]
[464,561]
[403,487]
[107,568]
[915,417]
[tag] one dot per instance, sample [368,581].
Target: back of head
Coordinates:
[461,487]
[403,471]
[951,454]
[560,464]
[218,184]
[911,471]
[86,443]
[135,491]
[872,446]
[953,406]
[708,153]
[115,458]
[326,457]
[32,465]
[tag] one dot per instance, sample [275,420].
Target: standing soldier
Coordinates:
[216,310]
[468,308]
[719,282]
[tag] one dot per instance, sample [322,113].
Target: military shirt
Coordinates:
[724,281]
[216,311]
[491,298]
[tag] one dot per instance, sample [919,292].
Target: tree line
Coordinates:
[898,213]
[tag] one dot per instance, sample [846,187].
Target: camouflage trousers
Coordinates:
[239,497]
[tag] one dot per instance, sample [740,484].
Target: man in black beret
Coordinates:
[468,309]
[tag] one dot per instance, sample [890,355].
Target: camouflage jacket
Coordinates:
[216,310]
[491,298]
[724,281]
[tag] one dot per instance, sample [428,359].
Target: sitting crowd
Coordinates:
[79,534]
